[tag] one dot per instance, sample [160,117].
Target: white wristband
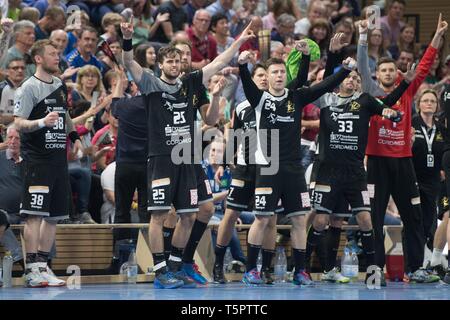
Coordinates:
[363,37]
[41,123]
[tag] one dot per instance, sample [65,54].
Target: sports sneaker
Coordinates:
[422,276]
[267,277]
[436,270]
[167,280]
[33,278]
[48,275]
[191,269]
[334,276]
[447,277]
[218,275]
[86,218]
[252,277]
[302,278]
[188,282]
[382,277]
[353,246]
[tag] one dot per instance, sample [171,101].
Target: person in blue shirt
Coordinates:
[84,53]
[220,192]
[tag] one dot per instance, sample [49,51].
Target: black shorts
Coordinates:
[242,188]
[45,191]
[205,193]
[443,205]
[288,184]
[171,184]
[343,209]
[336,186]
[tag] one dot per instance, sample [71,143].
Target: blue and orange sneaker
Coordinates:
[191,269]
[167,280]
[252,277]
[302,278]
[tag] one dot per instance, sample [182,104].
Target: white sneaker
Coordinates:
[49,276]
[34,279]
[334,276]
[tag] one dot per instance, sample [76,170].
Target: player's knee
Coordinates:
[187,220]
[206,211]
[364,220]
[158,217]
[320,221]
[298,222]
[261,221]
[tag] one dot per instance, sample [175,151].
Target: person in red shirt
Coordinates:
[204,46]
[106,137]
[390,168]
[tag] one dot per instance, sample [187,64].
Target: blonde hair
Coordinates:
[111,18]
[88,69]
[424,92]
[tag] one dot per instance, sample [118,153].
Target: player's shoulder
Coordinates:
[242,106]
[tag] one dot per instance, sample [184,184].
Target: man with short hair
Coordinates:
[24,40]
[84,53]
[405,58]
[8,87]
[53,19]
[222,6]
[191,7]
[43,120]
[204,46]
[392,23]
[389,167]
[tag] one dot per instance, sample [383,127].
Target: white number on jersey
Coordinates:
[345,126]
[178,117]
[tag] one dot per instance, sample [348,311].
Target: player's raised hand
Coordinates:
[127,29]
[349,64]
[220,85]
[303,47]
[363,26]
[247,34]
[410,73]
[442,26]
[245,57]
[338,42]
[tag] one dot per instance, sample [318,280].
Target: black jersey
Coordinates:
[445,100]
[171,114]
[427,169]
[344,127]
[245,120]
[34,100]
[281,115]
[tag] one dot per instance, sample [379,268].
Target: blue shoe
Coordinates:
[253,277]
[353,246]
[188,282]
[191,269]
[302,278]
[167,281]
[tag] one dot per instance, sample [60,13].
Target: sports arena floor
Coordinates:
[234,291]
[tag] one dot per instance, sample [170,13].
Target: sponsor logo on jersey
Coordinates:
[355,106]
[50,101]
[194,197]
[160,182]
[263,190]
[290,107]
[306,201]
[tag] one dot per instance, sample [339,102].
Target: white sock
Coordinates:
[436,257]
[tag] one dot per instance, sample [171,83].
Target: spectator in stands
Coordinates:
[43,5]
[316,10]
[59,37]
[406,41]
[14,7]
[110,25]
[320,32]
[108,210]
[84,53]
[204,46]
[180,36]
[145,55]
[30,13]
[53,19]
[433,76]
[253,44]
[341,9]
[222,6]
[284,29]
[15,77]
[116,49]
[24,40]
[191,7]
[177,20]
[88,81]
[96,9]
[348,29]
[406,57]
[392,23]
[278,8]
[376,49]
[243,16]
[277,50]
[106,138]
[11,190]
[81,21]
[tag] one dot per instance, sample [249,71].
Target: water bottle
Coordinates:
[132,269]
[346,263]
[7,270]
[227,261]
[355,265]
[259,262]
[280,265]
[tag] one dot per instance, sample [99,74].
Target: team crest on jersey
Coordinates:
[355,106]
[183,92]
[439,137]
[194,100]
[290,107]
[445,202]
[63,96]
